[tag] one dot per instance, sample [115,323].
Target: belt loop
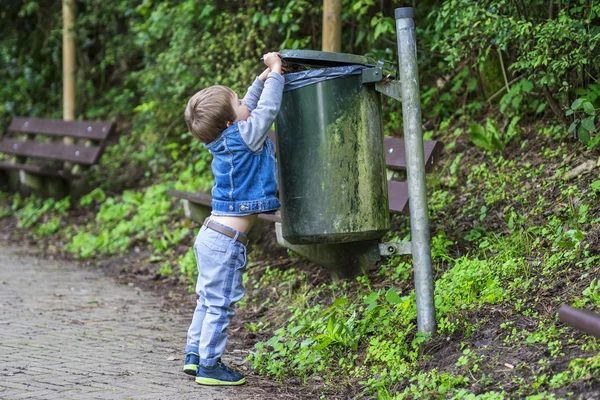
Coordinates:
[237,235]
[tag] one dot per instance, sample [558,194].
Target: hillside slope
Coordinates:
[515,234]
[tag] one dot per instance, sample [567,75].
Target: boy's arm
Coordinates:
[254,129]
[254,91]
[253,94]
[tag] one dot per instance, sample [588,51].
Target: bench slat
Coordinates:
[395,156]
[37,169]
[55,151]
[197,198]
[55,127]
[397,195]
[271,217]
[206,200]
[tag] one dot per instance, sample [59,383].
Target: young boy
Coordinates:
[245,171]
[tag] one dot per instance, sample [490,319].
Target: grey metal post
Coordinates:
[415,165]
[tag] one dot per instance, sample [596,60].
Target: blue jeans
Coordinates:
[221,263]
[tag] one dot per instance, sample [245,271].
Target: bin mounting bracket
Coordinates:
[394,248]
[375,74]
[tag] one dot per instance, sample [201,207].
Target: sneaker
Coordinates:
[219,374]
[191,363]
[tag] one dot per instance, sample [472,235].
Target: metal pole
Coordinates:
[415,166]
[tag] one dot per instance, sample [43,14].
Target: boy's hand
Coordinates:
[273,61]
[265,73]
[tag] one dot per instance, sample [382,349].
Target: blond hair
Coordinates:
[208,112]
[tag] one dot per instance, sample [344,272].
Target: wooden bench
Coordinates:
[47,155]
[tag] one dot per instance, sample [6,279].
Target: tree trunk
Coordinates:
[554,106]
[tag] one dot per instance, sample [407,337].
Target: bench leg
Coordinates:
[258,230]
[57,188]
[78,188]
[9,180]
[43,186]
[195,212]
[33,182]
[342,260]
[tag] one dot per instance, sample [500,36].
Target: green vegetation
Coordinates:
[370,335]
[509,86]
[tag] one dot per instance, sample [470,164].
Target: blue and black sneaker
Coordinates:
[219,374]
[191,363]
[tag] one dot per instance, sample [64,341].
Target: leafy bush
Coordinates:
[549,50]
[584,110]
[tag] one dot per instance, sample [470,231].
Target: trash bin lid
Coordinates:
[324,58]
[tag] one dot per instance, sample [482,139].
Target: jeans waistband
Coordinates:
[225,230]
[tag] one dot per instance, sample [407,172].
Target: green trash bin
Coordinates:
[332,177]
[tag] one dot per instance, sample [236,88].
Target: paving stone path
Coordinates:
[70,333]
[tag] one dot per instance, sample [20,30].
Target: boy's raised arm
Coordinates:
[254,91]
[254,129]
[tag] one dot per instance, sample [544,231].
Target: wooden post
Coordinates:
[332,25]
[68,62]
[69,67]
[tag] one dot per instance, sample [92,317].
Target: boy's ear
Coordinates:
[228,124]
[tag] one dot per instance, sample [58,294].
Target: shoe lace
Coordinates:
[223,366]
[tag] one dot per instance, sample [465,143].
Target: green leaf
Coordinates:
[378,31]
[596,186]
[340,302]
[540,108]
[588,124]
[323,341]
[527,86]
[392,296]
[594,142]
[577,103]
[516,101]
[371,299]
[583,135]
[478,136]
[589,108]
[573,126]
[494,135]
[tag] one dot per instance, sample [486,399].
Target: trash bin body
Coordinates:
[332,177]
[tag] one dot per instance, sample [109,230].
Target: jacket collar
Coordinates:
[233,128]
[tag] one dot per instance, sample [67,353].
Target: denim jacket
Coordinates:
[244,164]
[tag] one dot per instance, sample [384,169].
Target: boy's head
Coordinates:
[212,110]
